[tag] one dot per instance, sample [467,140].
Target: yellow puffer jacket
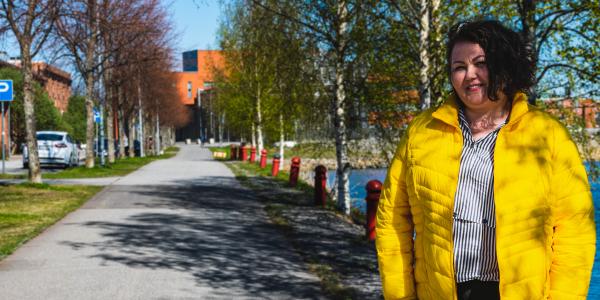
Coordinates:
[545,232]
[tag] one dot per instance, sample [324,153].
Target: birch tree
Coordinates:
[246,39]
[335,27]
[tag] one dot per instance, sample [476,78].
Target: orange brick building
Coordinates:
[566,109]
[196,90]
[56,82]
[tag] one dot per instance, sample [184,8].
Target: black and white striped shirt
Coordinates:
[474,212]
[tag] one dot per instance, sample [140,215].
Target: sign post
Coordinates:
[99,136]
[6,95]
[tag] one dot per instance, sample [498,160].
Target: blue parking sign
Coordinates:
[97,116]
[6,90]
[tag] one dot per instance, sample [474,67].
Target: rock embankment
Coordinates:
[308,165]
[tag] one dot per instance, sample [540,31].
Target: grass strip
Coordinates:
[13,176]
[27,209]
[121,167]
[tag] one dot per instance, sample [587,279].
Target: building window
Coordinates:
[208,85]
[190,61]
[189,89]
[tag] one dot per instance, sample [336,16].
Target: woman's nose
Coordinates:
[471,72]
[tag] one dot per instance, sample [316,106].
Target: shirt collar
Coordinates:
[448,111]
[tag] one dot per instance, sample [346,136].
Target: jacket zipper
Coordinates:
[458,132]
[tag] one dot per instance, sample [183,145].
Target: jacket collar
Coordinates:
[448,111]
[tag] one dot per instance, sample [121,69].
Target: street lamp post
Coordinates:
[199,97]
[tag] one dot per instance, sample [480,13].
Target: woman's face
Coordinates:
[469,75]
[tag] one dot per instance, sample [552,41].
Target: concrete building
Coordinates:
[196,90]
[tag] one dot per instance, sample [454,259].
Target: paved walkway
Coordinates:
[181,228]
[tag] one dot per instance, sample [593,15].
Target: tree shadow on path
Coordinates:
[213,230]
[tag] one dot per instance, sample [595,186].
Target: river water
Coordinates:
[359,179]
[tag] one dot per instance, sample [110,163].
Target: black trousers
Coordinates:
[478,290]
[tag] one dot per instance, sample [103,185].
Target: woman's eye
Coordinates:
[458,68]
[481,64]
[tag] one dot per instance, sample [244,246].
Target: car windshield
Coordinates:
[49,137]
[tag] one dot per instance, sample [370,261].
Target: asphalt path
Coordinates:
[181,228]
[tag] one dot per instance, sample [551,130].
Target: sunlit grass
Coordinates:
[121,167]
[13,176]
[28,209]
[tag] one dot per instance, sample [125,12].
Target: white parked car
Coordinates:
[54,148]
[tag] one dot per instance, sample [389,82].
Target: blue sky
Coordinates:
[197,22]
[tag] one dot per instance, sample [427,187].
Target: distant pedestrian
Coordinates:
[487,196]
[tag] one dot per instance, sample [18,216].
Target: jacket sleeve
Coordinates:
[574,231]
[394,229]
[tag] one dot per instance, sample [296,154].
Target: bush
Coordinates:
[75,116]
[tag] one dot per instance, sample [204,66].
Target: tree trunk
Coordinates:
[253,136]
[157,136]
[90,132]
[437,55]
[35,173]
[281,141]
[109,101]
[140,118]
[89,83]
[258,109]
[110,132]
[424,92]
[149,130]
[221,126]
[121,123]
[343,166]
[527,14]
[132,135]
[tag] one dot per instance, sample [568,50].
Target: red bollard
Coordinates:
[245,153]
[320,185]
[275,168]
[252,154]
[263,158]
[294,171]
[232,152]
[373,191]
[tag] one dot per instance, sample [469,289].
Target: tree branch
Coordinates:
[591,75]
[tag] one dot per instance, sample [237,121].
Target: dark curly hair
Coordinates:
[509,60]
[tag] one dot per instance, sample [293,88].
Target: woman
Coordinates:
[492,189]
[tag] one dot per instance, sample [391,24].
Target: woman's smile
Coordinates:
[471,88]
